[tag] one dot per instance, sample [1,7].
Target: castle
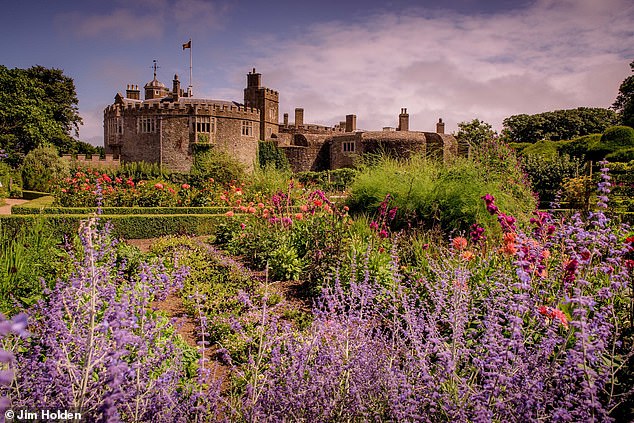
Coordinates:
[168,126]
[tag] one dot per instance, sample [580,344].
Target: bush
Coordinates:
[219,165]
[41,167]
[445,195]
[612,141]
[548,174]
[578,147]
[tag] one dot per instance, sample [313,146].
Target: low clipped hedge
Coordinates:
[35,208]
[125,226]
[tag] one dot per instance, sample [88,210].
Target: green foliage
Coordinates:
[475,132]
[624,155]
[29,262]
[41,167]
[269,180]
[44,207]
[624,103]
[10,181]
[579,147]
[542,148]
[548,173]
[446,195]
[557,125]
[271,156]
[37,106]
[328,180]
[284,264]
[125,226]
[219,165]
[613,139]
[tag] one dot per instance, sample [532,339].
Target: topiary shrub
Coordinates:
[578,147]
[41,167]
[219,165]
[613,140]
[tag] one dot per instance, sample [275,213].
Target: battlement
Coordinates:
[184,107]
[94,160]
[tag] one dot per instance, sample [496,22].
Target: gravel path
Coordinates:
[10,202]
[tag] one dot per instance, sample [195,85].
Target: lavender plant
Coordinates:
[98,347]
[536,330]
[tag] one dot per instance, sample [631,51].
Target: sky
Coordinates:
[457,60]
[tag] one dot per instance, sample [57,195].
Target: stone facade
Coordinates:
[167,127]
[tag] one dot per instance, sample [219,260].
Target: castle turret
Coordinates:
[264,99]
[155,88]
[403,121]
[351,123]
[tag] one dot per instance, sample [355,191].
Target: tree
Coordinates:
[624,103]
[475,132]
[37,106]
[558,125]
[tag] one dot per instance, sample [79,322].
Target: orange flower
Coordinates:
[304,208]
[459,243]
[299,216]
[467,255]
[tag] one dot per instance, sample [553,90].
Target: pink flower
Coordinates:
[185,186]
[158,185]
[229,213]
[251,210]
[304,208]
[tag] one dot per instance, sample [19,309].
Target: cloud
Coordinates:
[550,55]
[144,19]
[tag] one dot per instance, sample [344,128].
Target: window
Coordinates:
[247,128]
[115,126]
[205,124]
[348,147]
[147,125]
[272,115]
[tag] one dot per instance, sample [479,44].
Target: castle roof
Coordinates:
[155,83]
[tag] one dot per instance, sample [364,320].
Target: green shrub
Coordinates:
[41,167]
[29,261]
[613,140]
[219,165]
[579,147]
[544,148]
[328,180]
[624,155]
[446,195]
[548,174]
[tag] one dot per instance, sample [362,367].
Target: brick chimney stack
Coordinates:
[285,119]
[132,92]
[299,117]
[176,88]
[403,120]
[351,123]
[440,127]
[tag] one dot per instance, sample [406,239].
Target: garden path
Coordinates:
[10,202]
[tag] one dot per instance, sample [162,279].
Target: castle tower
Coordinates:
[403,121]
[264,99]
[155,88]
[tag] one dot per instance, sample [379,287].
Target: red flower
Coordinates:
[554,313]
[185,186]
[318,202]
[158,185]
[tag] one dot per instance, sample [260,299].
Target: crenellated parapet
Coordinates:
[94,160]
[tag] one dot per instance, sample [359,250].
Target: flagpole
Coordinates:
[191,90]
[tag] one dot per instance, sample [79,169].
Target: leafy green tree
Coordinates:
[475,132]
[37,106]
[557,125]
[624,103]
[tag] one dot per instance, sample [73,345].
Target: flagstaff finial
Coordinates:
[155,66]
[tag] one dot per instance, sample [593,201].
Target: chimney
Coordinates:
[299,117]
[403,121]
[351,123]
[285,119]
[176,88]
[440,127]
[254,79]
[132,92]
